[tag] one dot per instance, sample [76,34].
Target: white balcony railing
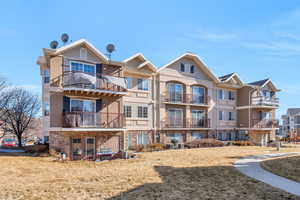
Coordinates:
[265,101]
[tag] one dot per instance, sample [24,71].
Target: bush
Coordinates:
[242,143]
[204,143]
[156,147]
[38,148]
[148,147]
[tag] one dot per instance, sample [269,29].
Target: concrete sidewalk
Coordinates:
[250,166]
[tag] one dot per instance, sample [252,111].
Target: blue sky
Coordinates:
[256,39]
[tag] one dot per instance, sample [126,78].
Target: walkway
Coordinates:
[250,166]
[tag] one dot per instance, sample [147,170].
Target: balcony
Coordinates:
[175,98]
[189,123]
[265,101]
[89,83]
[93,120]
[265,123]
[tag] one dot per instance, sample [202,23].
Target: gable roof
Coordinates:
[197,59]
[293,111]
[263,83]
[226,77]
[146,62]
[260,83]
[76,44]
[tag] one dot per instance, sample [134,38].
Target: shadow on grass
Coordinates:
[216,182]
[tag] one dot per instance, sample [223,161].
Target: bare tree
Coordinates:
[3,102]
[20,110]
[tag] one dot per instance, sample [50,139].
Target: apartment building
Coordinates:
[92,104]
[139,107]
[83,104]
[257,104]
[291,122]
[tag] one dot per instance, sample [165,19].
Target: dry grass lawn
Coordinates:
[176,174]
[288,167]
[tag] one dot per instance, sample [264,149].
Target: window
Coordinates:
[142,112]
[221,94]
[231,116]
[175,92]
[198,94]
[128,111]
[175,118]
[129,139]
[192,69]
[221,115]
[46,109]
[76,147]
[46,76]
[265,115]
[197,136]
[182,67]
[46,139]
[128,82]
[231,95]
[143,84]
[76,140]
[143,138]
[83,67]
[82,105]
[198,118]
[83,53]
[176,136]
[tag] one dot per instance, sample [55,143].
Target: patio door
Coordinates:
[90,147]
[198,94]
[198,118]
[76,147]
[175,92]
[175,118]
[84,111]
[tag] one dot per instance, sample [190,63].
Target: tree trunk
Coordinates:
[19,141]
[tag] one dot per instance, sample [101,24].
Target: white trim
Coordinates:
[201,65]
[152,67]
[146,61]
[84,63]
[80,42]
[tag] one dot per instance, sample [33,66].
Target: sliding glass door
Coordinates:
[84,111]
[175,118]
[198,94]
[198,117]
[175,92]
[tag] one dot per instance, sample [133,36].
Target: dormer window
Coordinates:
[192,69]
[83,53]
[182,67]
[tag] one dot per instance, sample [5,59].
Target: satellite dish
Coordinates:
[110,48]
[64,38]
[53,44]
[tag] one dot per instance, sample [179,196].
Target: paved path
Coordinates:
[250,166]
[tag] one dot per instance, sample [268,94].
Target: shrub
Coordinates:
[38,148]
[242,143]
[204,143]
[148,147]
